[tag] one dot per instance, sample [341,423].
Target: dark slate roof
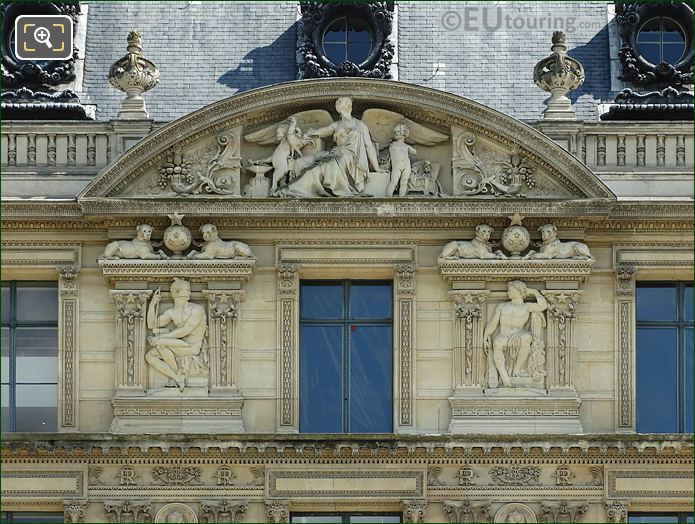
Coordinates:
[207,51]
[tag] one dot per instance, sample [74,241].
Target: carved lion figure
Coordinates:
[215,247]
[551,247]
[139,247]
[479,247]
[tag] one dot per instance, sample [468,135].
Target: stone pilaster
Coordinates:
[223,510]
[625,348]
[128,511]
[616,510]
[277,512]
[404,322]
[414,510]
[288,347]
[223,311]
[469,322]
[561,340]
[467,511]
[74,511]
[131,341]
[68,347]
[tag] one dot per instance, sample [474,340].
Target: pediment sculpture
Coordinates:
[303,167]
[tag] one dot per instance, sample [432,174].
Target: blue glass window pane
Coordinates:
[673,41]
[370,301]
[5,305]
[657,380]
[688,313]
[323,301]
[371,379]
[690,518]
[653,518]
[37,517]
[374,519]
[656,303]
[37,304]
[321,379]
[37,355]
[5,406]
[5,353]
[318,519]
[648,41]
[335,52]
[689,382]
[37,408]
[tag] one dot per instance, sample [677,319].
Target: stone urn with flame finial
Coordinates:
[177,237]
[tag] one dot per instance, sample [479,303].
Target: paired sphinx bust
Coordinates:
[141,247]
[481,247]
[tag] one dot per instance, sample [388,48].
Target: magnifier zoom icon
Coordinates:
[42,36]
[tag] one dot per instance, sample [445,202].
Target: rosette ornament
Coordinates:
[133,74]
[559,74]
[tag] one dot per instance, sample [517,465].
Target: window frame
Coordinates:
[681,325]
[12,326]
[682,516]
[345,322]
[345,20]
[661,18]
[8,517]
[345,516]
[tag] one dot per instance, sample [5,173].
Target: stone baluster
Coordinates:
[561,338]
[223,311]
[625,344]
[660,150]
[72,150]
[641,150]
[131,340]
[680,150]
[11,149]
[108,149]
[621,150]
[31,149]
[51,149]
[91,150]
[600,150]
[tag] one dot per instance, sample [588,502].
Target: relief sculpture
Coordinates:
[303,168]
[177,352]
[516,355]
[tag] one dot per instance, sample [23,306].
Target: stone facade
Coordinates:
[507,238]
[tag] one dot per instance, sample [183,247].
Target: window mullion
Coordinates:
[346,356]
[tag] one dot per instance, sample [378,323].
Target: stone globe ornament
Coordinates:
[133,74]
[515,238]
[559,74]
[177,237]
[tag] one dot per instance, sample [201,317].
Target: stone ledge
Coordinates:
[163,271]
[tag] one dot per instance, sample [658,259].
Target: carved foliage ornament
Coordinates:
[176,475]
[414,510]
[467,511]
[128,511]
[376,17]
[562,511]
[516,475]
[223,511]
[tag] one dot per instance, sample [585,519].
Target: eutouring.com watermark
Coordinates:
[494,18]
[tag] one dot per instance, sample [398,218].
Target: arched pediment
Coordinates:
[224,156]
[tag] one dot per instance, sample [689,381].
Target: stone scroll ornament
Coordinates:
[513,340]
[303,166]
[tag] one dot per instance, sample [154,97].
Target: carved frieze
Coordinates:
[176,475]
[515,475]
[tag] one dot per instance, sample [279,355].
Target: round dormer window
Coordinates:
[347,39]
[662,40]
